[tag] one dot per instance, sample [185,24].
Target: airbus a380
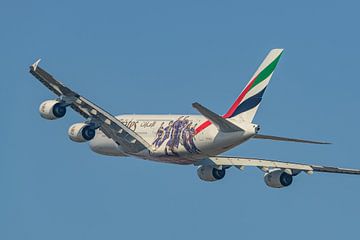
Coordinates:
[181,139]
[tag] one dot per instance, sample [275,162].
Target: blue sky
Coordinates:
[159,57]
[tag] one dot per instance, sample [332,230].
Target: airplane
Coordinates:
[181,139]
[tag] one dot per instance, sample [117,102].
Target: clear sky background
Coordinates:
[159,57]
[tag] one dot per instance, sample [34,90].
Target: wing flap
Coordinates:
[50,82]
[255,162]
[112,127]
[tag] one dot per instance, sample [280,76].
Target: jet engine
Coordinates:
[52,109]
[81,132]
[210,174]
[278,178]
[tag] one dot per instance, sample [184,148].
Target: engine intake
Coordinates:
[52,109]
[210,174]
[81,132]
[278,178]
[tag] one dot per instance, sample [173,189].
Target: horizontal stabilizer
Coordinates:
[221,123]
[285,139]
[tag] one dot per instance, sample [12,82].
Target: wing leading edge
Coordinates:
[110,125]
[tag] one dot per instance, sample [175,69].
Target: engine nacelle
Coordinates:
[278,178]
[52,109]
[210,174]
[81,132]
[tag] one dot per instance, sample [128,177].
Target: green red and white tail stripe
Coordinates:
[246,105]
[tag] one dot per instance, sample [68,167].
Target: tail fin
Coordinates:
[246,105]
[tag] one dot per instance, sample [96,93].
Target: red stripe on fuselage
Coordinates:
[231,110]
[202,126]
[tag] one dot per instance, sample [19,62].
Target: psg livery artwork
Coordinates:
[175,133]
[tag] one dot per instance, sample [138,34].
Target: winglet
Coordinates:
[35,64]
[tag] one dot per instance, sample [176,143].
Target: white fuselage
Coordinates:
[173,138]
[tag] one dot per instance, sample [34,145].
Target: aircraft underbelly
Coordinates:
[105,146]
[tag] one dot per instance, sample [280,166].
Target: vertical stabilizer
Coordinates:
[246,105]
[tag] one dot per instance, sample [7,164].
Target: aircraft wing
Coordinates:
[111,126]
[264,164]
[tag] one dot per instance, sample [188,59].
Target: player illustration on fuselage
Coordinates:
[160,134]
[178,133]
